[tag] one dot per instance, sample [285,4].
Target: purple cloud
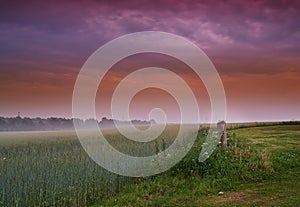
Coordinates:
[44,36]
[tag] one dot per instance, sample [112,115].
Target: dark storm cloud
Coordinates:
[48,36]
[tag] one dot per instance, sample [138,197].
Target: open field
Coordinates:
[260,167]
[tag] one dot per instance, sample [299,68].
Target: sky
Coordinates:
[254,46]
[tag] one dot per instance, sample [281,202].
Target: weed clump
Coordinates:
[238,162]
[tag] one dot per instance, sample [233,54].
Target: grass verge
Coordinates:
[260,167]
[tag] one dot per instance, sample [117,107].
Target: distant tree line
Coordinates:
[53,123]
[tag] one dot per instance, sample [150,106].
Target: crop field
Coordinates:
[52,169]
[260,167]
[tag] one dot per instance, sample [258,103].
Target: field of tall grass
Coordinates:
[52,169]
[44,171]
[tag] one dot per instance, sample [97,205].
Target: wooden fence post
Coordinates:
[221,126]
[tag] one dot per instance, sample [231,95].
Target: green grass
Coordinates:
[261,167]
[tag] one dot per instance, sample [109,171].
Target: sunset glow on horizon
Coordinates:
[254,46]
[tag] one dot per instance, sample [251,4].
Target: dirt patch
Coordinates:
[231,197]
[246,198]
